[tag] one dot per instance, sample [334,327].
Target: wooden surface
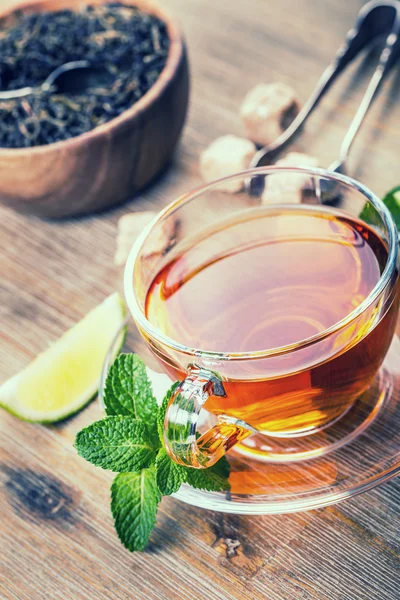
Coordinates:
[109,164]
[57,538]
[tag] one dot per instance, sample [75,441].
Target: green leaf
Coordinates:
[221,468]
[116,443]
[392,201]
[169,475]
[134,502]
[163,409]
[128,390]
[213,479]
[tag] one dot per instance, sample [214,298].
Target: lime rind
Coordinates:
[75,367]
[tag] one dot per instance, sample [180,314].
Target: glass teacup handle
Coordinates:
[180,427]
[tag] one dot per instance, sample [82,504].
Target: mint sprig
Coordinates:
[213,479]
[118,443]
[169,475]
[134,504]
[128,390]
[129,441]
[392,201]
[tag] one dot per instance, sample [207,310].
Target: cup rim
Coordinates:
[140,318]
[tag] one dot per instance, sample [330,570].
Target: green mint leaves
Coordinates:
[169,475]
[129,441]
[128,390]
[134,503]
[213,479]
[392,201]
[120,444]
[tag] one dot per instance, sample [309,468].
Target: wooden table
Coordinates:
[57,538]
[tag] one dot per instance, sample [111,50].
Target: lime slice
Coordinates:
[65,377]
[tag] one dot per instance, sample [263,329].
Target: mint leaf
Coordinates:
[116,443]
[128,390]
[169,475]
[213,479]
[134,503]
[163,409]
[221,468]
[392,201]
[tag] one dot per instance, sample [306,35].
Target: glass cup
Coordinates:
[288,391]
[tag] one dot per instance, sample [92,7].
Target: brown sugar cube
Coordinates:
[131,225]
[226,155]
[287,188]
[129,228]
[267,110]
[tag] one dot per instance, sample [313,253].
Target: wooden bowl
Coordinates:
[110,163]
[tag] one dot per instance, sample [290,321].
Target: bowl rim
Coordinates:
[175,55]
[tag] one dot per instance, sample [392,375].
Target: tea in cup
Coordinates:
[274,317]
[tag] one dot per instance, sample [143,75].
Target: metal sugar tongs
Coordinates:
[376,20]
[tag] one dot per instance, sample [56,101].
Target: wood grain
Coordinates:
[57,539]
[111,163]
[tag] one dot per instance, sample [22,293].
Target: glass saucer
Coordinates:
[352,456]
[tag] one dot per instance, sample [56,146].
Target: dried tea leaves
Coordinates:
[131,45]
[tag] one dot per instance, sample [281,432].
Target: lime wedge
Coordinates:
[66,376]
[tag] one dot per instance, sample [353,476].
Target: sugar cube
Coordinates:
[267,110]
[226,155]
[287,187]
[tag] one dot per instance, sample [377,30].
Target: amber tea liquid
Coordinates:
[268,279]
